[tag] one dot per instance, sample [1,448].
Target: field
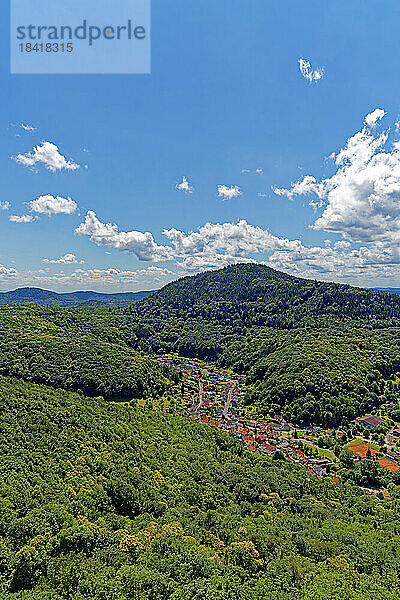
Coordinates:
[386,464]
[362,449]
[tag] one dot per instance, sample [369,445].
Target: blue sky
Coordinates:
[225,95]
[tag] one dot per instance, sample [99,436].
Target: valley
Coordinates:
[232,436]
[214,396]
[98,498]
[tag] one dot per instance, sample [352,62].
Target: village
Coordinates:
[212,396]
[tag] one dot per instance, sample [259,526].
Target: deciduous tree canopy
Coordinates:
[102,500]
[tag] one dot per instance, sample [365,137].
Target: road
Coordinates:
[229,400]
[390,443]
[200,395]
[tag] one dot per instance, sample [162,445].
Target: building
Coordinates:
[371,421]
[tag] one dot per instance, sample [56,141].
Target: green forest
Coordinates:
[311,351]
[104,498]
[109,501]
[57,347]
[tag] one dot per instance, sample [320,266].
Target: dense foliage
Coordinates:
[314,351]
[105,501]
[86,300]
[54,346]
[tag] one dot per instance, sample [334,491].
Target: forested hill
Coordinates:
[258,292]
[74,350]
[315,351]
[105,501]
[312,351]
[29,295]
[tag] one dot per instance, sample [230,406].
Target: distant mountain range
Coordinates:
[389,290]
[88,300]
[93,300]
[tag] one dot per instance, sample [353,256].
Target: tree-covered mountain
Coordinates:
[313,350]
[105,501]
[259,293]
[86,300]
[74,350]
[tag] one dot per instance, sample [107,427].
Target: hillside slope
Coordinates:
[72,299]
[258,293]
[315,351]
[312,351]
[74,350]
[104,501]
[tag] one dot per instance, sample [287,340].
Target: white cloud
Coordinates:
[227,243]
[228,192]
[233,239]
[101,279]
[47,153]
[135,242]
[184,186]
[360,202]
[339,263]
[210,260]
[67,259]
[256,171]
[342,245]
[372,118]
[312,75]
[22,218]
[362,198]
[27,127]
[53,205]
[7,272]
[215,245]
[4,205]
[302,187]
